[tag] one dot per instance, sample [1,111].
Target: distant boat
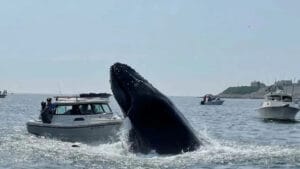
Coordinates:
[211,100]
[278,106]
[3,94]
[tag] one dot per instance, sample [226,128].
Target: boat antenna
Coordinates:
[293,87]
[59,88]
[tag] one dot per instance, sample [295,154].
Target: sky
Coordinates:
[183,47]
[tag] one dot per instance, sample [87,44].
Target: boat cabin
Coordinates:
[68,108]
[279,97]
[81,105]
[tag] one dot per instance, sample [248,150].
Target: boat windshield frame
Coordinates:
[70,103]
[105,108]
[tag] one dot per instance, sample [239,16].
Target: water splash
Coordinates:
[28,150]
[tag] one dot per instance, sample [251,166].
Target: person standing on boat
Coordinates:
[43,106]
[48,112]
[50,106]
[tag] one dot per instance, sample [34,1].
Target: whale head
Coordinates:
[128,86]
[156,122]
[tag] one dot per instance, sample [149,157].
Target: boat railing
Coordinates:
[84,96]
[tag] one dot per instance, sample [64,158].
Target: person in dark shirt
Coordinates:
[50,105]
[47,111]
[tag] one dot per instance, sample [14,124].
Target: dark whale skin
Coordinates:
[156,122]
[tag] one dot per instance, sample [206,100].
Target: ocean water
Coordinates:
[237,138]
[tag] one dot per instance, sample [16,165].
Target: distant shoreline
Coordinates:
[261,92]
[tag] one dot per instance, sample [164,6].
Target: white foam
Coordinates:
[26,149]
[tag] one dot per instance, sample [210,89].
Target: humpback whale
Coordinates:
[156,123]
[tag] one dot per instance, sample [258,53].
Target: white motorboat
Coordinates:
[3,94]
[83,118]
[211,100]
[278,106]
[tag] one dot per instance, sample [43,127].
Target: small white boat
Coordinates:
[278,106]
[84,118]
[3,94]
[211,100]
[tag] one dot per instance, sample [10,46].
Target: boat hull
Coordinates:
[278,113]
[219,102]
[99,132]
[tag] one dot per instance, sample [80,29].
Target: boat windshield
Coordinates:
[280,98]
[83,109]
[287,98]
